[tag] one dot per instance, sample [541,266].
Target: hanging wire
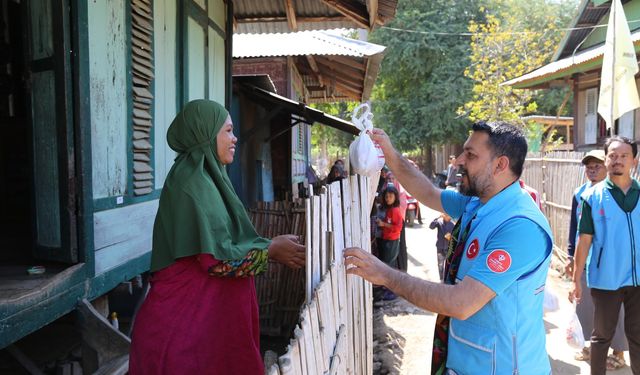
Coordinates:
[505,32]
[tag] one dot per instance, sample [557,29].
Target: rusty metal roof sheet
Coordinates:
[270,16]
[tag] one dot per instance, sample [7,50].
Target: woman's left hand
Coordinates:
[286,249]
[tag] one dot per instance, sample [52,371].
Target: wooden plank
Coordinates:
[142,93]
[142,176]
[139,134]
[338,359]
[142,191]
[346,213]
[307,333]
[315,242]
[142,184]
[142,122]
[321,356]
[326,318]
[141,156]
[336,218]
[142,22]
[141,114]
[323,237]
[308,253]
[355,212]
[335,299]
[299,337]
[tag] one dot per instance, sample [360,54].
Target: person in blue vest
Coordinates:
[609,228]
[490,304]
[595,171]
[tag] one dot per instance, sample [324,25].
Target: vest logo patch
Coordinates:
[473,249]
[499,261]
[601,212]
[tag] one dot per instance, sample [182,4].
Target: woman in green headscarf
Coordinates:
[201,313]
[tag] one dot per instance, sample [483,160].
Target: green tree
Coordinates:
[515,38]
[421,82]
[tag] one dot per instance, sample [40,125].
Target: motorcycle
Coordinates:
[413,208]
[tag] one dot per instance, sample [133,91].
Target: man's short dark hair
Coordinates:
[621,139]
[505,140]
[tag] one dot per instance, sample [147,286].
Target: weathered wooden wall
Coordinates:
[108,84]
[165,84]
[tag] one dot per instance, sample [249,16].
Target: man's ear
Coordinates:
[502,165]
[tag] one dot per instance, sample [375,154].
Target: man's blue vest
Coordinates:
[613,261]
[507,335]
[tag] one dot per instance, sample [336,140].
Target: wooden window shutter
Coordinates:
[142,77]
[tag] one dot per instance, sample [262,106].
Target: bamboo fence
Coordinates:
[332,332]
[556,175]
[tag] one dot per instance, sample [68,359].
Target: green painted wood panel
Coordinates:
[217,12]
[122,234]
[41,29]
[196,60]
[108,57]
[216,67]
[165,90]
[45,157]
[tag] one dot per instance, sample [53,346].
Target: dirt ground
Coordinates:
[403,333]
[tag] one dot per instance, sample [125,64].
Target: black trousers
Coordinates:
[607,308]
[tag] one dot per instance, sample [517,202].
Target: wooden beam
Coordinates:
[291,15]
[329,71]
[339,67]
[356,11]
[351,85]
[351,61]
[314,67]
[298,19]
[373,12]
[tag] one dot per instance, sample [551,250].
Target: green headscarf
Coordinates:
[199,210]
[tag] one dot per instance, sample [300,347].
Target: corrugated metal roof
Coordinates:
[588,15]
[301,43]
[270,16]
[569,63]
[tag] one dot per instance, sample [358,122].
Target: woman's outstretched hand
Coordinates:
[287,250]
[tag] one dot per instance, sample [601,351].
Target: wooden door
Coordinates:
[49,99]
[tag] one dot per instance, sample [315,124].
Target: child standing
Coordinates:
[444,225]
[391,226]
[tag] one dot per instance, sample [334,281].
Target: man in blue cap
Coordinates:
[609,230]
[490,304]
[595,171]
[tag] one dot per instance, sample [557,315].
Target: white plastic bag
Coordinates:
[366,158]
[575,337]
[550,303]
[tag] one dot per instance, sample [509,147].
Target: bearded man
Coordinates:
[490,304]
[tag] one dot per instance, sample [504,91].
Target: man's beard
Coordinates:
[476,186]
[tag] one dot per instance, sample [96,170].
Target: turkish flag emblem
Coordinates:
[499,261]
[473,249]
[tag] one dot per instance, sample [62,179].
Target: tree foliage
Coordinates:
[329,144]
[515,38]
[421,82]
